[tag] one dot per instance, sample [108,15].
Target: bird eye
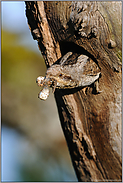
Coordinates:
[60,75]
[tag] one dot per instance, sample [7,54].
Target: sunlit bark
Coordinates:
[91,122]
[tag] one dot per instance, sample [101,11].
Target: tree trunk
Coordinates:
[91,121]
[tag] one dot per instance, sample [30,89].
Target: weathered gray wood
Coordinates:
[91,122]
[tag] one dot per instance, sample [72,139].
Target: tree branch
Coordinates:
[91,121]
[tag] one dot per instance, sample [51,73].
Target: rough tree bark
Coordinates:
[91,121]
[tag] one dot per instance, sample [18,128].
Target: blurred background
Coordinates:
[33,147]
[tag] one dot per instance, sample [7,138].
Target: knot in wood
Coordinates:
[84,18]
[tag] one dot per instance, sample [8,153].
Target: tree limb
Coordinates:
[91,121]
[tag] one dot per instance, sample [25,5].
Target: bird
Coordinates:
[71,71]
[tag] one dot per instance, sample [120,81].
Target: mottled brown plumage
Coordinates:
[73,70]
